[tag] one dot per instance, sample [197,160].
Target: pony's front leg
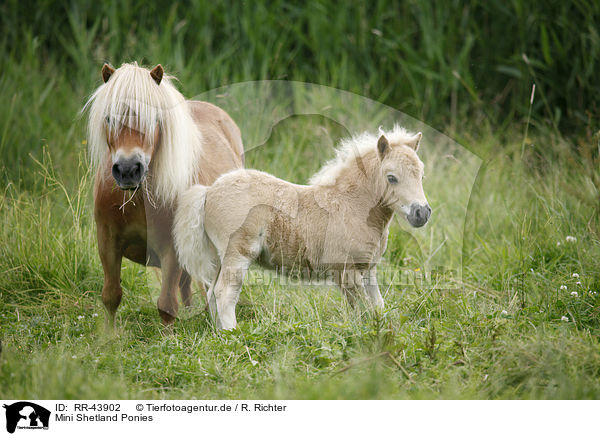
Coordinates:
[171,273]
[111,257]
[372,288]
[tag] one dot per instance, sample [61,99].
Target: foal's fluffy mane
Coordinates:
[132,98]
[354,147]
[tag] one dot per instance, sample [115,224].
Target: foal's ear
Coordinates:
[107,71]
[383,146]
[415,141]
[157,73]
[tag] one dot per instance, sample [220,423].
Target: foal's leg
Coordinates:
[111,257]
[210,296]
[372,288]
[226,291]
[351,284]
[171,274]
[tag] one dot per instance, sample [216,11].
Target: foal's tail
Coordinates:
[195,251]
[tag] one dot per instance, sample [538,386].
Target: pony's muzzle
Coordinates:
[419,214]
[129,173]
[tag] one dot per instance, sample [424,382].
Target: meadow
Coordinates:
[521,320]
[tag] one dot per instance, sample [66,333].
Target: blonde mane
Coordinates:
[354,147]
[132,98]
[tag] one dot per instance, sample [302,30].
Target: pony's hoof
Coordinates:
[167,319]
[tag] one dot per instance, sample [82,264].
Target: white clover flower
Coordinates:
[578,283]
[80,317]
[574,294]
[564,318]
[571,239]
[94,315]
[504,312]
[575,276]
[563,287]
[558,244]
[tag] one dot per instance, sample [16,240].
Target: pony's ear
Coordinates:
[383,146]
[107,71]
[157,73]
[415,141]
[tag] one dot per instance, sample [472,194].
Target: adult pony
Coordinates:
[148,144]
[339,222]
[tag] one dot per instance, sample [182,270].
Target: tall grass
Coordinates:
[446,63]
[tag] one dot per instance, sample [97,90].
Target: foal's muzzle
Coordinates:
[419,214]
[129,173]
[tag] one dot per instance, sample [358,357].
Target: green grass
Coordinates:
[305,342]
[496,333]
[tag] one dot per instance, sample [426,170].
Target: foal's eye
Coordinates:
[107,119]
[392,179]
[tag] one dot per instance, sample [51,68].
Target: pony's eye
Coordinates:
[107,119]
[392,179]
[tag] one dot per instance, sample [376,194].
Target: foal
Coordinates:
[340,220]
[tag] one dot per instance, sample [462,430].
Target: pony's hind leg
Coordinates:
[226,292]
[167,301]
[111,257]
[185,288]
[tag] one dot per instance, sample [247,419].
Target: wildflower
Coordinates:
[574,294]
[558,244]
[563,287]
[575,276]
[504,312]
[74,356]
[578,283]
[564,318]
[594,293]
[80,317]
[94,315]
[571,239]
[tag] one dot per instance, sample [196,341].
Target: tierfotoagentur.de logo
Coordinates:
[25,415]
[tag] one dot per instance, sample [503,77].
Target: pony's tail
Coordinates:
[195,251]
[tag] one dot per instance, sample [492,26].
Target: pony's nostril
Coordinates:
[418,213]
[116,171]
[137,169]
